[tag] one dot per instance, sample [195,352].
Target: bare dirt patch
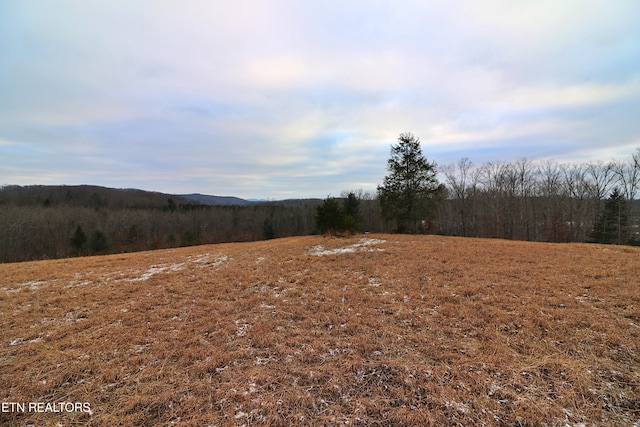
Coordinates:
[375,330]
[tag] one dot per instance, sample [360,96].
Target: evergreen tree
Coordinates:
[99,242]
[329,217]
[611,226]
[410,193]
[78,240]
[351,210]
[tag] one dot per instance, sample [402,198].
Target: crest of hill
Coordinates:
[206,199]
[91,196]
[94,196]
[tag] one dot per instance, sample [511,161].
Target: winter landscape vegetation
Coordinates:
[377,329]
[525,200]
[319,213]
[338,328]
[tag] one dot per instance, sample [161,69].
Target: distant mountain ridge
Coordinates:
[210,200]
[206,199]
[91,196]
[102,197]
[57,221]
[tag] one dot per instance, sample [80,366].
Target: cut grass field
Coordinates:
[366,330]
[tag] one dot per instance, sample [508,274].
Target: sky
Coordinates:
[284,99]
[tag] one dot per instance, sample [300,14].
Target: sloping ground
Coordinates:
[368,330]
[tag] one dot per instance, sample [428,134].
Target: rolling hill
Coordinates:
[366,330]
[92,196]
[100,197]
[206,199]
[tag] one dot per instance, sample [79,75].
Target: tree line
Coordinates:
[544,201]
[45,222]
[523,200]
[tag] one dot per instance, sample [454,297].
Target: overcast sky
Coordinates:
[280,99]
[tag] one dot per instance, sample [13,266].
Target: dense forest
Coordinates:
[44,222]
[524,200]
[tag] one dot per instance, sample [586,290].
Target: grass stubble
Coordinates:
[366,330]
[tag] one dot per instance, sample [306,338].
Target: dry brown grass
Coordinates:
[415,330]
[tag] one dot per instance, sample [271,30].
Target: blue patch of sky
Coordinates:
[326,145]
[14,152]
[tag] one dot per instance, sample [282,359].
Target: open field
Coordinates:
[367,330]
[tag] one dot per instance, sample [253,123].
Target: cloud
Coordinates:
[286,98]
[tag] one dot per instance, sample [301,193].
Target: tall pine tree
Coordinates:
[611,226]
[329,217]
[351,209]
[410,193]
